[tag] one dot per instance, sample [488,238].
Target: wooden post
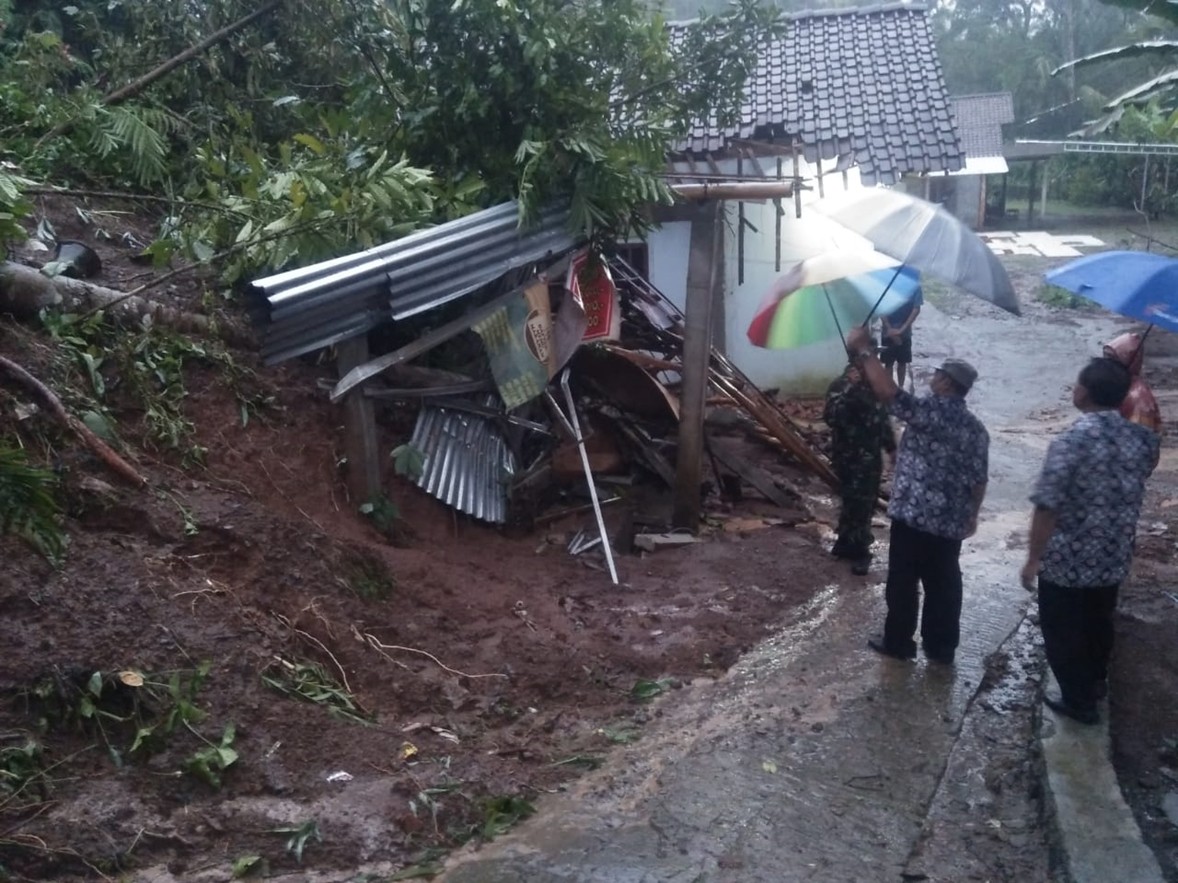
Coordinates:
[703,273]
[360,444]
[1045,178]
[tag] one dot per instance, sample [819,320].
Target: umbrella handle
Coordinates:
[1133,358]
[883,294]
[834,315]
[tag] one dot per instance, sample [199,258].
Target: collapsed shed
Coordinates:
[551,319]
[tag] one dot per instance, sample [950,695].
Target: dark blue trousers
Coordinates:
[920,559]
[1077,626]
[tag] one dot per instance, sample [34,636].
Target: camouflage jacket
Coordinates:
[859,425]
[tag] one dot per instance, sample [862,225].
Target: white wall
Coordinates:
[667,251]
[804,370]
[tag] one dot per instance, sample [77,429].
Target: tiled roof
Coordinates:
[859,86]
[979,122]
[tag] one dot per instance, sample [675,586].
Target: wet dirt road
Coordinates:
[815,759]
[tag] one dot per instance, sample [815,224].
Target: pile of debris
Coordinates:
[566,398]
[607,423]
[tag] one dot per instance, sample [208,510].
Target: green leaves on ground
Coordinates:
[645,690]
[311,683]
[28,505]
[209,762]
[298,836]
[502,813]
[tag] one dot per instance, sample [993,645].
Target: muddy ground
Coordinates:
[451,672]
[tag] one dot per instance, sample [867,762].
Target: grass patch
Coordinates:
[1062,299]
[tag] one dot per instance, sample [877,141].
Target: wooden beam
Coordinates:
[746,190]
[362,371]
[360,441]
[703,263]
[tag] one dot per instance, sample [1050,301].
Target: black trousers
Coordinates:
[917,558]
[1077,626]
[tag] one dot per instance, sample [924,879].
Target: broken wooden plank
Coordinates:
[751,474]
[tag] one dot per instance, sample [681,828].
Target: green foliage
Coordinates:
[1061,298]
[335,124]
[21,766]
[501,814]
[298,836]
[312,199]
[148,365]
[408,461]
[115,705]
[28,506]
[13,206]
[645,690]
[382,512]
[177,699]
[369,578]
[250,866]
[209,762]
[311,683]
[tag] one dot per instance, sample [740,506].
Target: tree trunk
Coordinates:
[25,291]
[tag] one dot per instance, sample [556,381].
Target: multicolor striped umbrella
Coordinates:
[802,308]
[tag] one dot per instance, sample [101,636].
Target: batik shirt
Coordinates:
[944,455]
[1093,479]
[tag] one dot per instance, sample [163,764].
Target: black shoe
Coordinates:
[861,567]
[876,643]
[840,552]
[1082,715]
[938,657]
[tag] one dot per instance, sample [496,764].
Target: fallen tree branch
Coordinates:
[129,197]
[25,291]
[137,86]
[101,449]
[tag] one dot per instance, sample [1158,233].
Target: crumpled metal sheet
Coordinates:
[466,462]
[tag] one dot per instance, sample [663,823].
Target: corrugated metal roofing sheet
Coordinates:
[853,86]
[302,310]
[467,464]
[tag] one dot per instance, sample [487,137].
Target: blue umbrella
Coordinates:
[1136,284]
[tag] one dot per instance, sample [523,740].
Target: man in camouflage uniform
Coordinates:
[859,432]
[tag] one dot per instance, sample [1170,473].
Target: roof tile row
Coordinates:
[860,85]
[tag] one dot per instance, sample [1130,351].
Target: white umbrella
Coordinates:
[926,237]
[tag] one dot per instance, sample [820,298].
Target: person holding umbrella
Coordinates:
[1139,405]
[897,337]
[1087,501]
[859,431]
[939,482]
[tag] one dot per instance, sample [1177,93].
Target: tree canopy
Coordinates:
[291,130]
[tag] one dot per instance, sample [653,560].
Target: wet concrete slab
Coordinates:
[1097,831]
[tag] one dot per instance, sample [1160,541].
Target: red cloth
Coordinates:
[1140,406]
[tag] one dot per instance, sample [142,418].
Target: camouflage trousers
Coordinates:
[860,491]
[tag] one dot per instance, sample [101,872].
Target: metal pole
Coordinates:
[576,423]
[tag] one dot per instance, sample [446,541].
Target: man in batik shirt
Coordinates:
[1087,501]
[859,432]
[937,490]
